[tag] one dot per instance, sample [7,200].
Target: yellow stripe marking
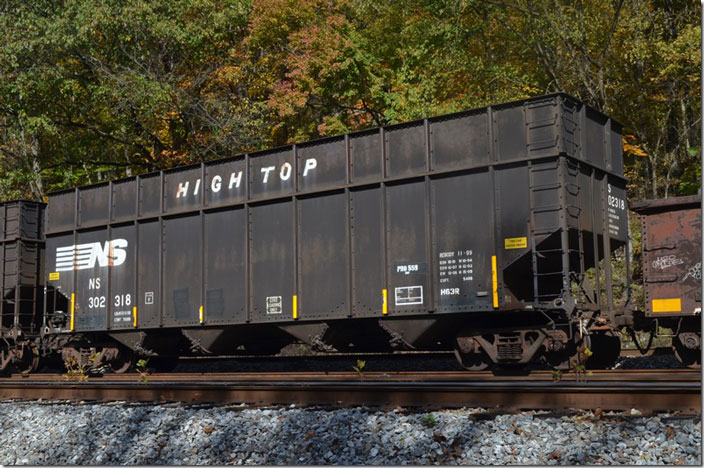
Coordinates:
[494,281]
[384,304]
[73,308]
[667,305]
[295,307]
[201,315]
[134,316]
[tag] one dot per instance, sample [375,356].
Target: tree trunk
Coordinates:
[36,185]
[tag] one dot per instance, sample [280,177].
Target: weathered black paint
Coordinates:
[21,266]
[417,209]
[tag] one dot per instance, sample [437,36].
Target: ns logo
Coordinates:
[87,256]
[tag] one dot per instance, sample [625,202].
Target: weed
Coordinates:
[360,365]
[76,372]
[583,353]
[429,420]
[141,368]
[358,368]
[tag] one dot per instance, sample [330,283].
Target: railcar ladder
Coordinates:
[556,250]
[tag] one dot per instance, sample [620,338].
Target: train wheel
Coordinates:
[29,361]
[605,348]
[573,356]
[690,357]
[122,363]
[476,361]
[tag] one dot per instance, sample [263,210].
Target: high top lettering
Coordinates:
[283,172]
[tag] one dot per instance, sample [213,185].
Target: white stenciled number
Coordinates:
[96,302]
[616,202]
[122,300]
[407,268]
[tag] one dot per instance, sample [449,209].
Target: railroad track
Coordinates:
[630,352]
[645,390]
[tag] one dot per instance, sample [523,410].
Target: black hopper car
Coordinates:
[500,233]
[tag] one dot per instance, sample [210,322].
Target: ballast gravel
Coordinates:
[668,361]
[40,433]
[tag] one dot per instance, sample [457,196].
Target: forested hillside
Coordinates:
[91,90]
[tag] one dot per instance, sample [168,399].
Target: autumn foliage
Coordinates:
[91,91]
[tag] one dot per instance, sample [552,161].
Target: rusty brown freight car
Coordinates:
[671,231]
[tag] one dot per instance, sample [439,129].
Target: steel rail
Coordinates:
[427,391]
[613,375]
[396,354]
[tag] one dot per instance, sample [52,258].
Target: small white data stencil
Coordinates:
[274,305]
[409,295]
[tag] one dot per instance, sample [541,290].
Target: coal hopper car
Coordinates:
[493,232]
[21,281]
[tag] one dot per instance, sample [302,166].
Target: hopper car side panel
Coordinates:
[367,250]
[226,262]
[149,274]
[323,256]
[271,268]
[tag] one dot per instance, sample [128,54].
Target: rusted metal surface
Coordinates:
[645,391]
[672,252]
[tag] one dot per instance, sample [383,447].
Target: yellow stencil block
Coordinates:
[667,305]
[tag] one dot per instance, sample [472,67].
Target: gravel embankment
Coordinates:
[43,434]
